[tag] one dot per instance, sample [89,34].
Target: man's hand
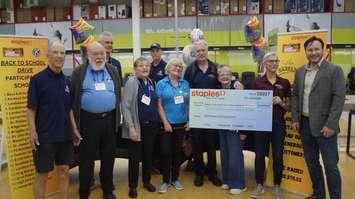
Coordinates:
[187,127]
[167,128]
[327,132]
[276,100]
[133,134]
[34,140]
[77,137]
[295,126]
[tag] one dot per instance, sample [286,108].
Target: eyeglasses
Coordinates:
[178,65]
[275,61]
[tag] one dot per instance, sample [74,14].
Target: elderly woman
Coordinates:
[231,145]
[281,103]
[140,124]
[173,93]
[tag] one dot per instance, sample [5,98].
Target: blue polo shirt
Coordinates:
[147,113]
[157,72]
[176,113]
[98,91]
[49,95]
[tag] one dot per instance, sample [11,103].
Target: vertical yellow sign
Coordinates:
[292,55]
[20,59]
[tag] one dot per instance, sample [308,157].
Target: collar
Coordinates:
[314,67]
[158,63]
[264,79]
[51,73]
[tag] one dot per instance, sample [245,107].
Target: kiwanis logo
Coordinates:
[36,52]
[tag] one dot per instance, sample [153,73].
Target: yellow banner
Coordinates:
[292,55]
[20,59]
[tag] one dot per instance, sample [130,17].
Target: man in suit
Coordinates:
[317,103]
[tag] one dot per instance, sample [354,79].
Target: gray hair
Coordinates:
[267,55]
[201,42]
[105,34]
[172,62]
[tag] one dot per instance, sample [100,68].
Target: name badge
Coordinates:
[145,100]
[100,86]
[179,99]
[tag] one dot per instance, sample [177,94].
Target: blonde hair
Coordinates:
[172,62]
[224,68]
[140,60]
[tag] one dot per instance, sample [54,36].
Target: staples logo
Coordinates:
[208,93]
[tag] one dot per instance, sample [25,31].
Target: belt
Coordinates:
[99,115]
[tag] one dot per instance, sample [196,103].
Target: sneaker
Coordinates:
[277,192]
[258,191]
[132,193]
[164,187]
[237,191]
[225,186]
[177,184]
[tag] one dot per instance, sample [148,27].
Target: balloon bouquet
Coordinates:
[83,35]
[253,35]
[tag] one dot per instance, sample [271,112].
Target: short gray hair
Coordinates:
[172,62]
[105,34]
[267,55]
[201,42]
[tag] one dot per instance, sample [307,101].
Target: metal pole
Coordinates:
[176,28]
[136,40]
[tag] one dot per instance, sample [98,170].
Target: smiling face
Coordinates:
[201,50]
[225,75]
[314,52]
[142,68]
[56,56]
[175,68]
[271,63]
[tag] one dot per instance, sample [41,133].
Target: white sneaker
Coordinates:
[258,191]
[277,192]
[237,191]
[225,186]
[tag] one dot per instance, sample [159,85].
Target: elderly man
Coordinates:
[96,95]
[317,103]
[51,123]
[106,40]
[202,73]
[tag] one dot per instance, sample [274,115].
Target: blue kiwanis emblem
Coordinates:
[36,52]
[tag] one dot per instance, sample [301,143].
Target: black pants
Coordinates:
[204,139]
[143,151]
[98,132]
[171,152]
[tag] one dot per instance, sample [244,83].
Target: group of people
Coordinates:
[86,110]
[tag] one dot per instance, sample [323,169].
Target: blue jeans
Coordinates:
[262,140]
[232,159]
[328,148]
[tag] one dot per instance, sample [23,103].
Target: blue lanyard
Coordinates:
[142,86]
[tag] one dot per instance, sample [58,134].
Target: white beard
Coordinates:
[96,67]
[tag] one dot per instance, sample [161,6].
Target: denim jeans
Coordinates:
[232,159]
[328,148]
[262,140]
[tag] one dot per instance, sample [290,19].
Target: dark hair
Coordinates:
[311,40]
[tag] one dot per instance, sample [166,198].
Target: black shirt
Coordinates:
[198,79]
[49,94]
[147,113]
[116,64]
[157,72]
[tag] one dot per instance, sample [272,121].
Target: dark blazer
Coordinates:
[326,98]
[77,79]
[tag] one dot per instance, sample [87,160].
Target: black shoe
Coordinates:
[132,193]
[149,187]
[198,182]
[215,180]
[109,196]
